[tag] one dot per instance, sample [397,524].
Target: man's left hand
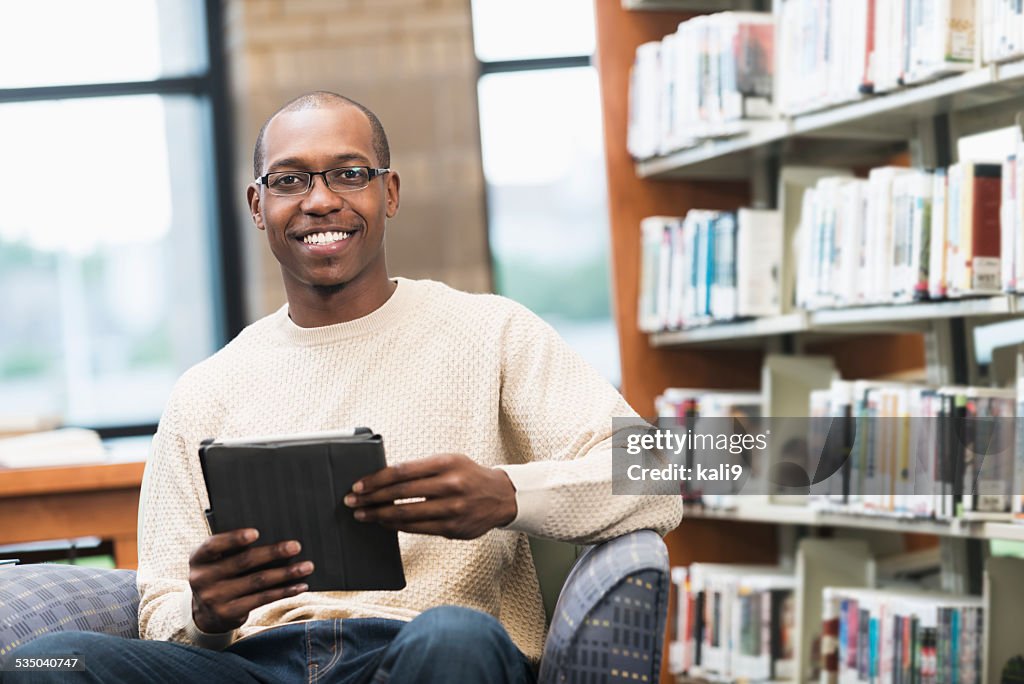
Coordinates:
[461,498]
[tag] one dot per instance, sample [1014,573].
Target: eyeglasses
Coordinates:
[342,179]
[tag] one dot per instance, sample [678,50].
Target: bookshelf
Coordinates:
[842,321]
[888,118]
[911,125]
[801,515]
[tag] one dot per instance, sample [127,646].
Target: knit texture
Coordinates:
[432,370]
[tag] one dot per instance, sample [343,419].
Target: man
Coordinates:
[493,427]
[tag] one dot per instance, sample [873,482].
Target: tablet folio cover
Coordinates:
[291,487]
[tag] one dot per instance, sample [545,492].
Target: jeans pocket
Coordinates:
[323,648]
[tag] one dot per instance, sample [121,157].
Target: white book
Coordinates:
[937,251]
[644,107]
[758,262]
[667,120]
[954,260]
[794,181]
[920,235]
[723,280]
[1017,219]
[853,204]
[1007,225]
[652,232]
[677,274]
[879,230]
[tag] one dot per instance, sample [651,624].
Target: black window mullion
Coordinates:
[231,276]
[535,64]
[187,85]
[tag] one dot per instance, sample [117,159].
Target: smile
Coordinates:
[326,238]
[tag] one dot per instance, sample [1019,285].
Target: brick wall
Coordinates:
[412,62]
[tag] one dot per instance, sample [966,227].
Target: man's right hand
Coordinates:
[228,581]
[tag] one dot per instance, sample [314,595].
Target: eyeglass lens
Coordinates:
[298,182]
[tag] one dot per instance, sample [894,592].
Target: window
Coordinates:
[111,225]
[542,147]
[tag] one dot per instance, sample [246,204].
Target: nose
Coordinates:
[321,199]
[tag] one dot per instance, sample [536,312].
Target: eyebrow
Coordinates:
[297,163]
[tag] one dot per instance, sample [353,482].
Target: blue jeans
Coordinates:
[445,644]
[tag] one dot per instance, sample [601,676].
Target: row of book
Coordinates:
[741,623]
[701,81]
[895,636]
[867,448]
[899,235]
[907,235]
[837,52]
[709,266]
[733,622]
[915,451]
[718,70]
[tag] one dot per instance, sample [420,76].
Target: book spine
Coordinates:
[982,262]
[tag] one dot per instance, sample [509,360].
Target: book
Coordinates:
[291,487]
[758,263]
[977,268]
[51,448]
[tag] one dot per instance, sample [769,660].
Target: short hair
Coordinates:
[316,100]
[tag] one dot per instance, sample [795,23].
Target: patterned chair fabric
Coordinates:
[607,626]
[610,617]
[37,599]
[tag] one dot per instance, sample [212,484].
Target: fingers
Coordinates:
[237,580]
[216,617]
[402,472]
[399,514]
[227,567]
[255,585]
[219,545]
[240,608]
[431,486]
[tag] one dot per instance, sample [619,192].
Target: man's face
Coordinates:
[316,140]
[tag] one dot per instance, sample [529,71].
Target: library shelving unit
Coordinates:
[917,125]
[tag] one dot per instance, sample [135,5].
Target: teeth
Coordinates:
[325,238]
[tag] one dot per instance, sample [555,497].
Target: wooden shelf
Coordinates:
[887,318]
[753,329]
[802,515]
[886,118]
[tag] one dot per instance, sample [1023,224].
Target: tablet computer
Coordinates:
[291,487]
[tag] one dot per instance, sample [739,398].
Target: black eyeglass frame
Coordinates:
[371,173]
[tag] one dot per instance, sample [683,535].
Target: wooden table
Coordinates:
[101,500]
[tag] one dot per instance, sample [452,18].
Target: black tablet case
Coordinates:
[293,489]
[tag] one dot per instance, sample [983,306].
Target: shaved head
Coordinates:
[318,100]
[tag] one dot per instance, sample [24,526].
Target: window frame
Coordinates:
[225,239]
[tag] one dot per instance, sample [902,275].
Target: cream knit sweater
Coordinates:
[432,370]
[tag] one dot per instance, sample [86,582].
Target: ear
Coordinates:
[391,189]
[252,194]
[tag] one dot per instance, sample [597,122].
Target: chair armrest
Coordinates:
[610,616]
[38,599]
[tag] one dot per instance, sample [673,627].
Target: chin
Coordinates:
[329,286]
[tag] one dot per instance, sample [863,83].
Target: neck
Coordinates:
[314,307]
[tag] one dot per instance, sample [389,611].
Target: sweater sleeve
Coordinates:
[556,421]
[171,525]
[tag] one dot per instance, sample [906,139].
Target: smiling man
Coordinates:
[495,429]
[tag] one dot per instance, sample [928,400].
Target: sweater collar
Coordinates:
[398,306]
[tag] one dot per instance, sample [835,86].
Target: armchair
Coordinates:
[607,625]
